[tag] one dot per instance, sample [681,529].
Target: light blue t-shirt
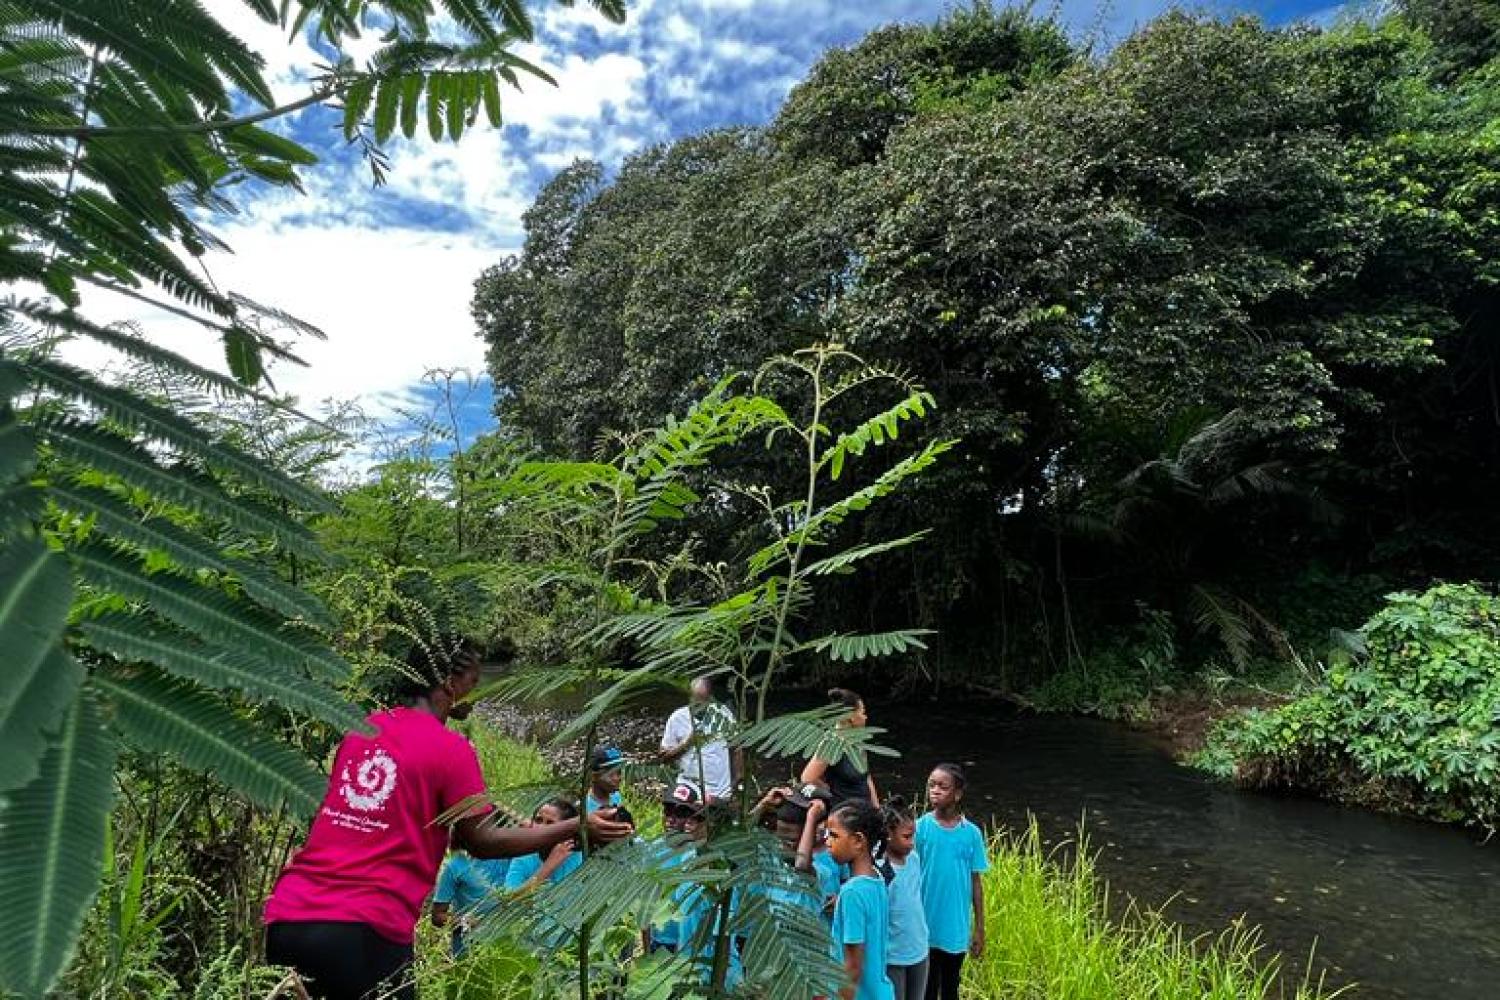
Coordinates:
[950,859]
[669,932]
[861,917]
[590,803]
[830,875]
[908,938]
[522,868]
[468,884]
[698,909]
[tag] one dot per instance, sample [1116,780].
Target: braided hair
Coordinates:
[861,817]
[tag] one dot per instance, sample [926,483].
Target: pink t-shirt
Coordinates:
[373,852]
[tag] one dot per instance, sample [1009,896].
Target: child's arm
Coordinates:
[809,834]
[854,965]
[976,944]
[771,800]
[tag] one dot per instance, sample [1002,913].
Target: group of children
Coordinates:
[903,894]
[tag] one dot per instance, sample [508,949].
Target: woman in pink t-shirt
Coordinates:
[345,908]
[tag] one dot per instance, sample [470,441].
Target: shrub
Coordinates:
[1410,720]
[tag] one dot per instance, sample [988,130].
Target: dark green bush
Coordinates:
[1411,720]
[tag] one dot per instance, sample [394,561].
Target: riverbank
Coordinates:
[1052,933]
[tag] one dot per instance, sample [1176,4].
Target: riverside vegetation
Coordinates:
[1240,334]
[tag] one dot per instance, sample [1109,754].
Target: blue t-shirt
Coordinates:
[698,909]
[861,917]
[669,932]
[908,938]
[950,859]
[830,875]
[470,884]
[522,868]
[590,803]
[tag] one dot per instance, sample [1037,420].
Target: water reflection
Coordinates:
[1407,909]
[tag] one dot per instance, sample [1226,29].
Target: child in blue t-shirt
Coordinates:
[532,870]
[466,889]
[953,859]
[861,917]
[908,946]
[606,772]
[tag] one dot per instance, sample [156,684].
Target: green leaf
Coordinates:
[163,715]
[210,614]
[242,352]
[51,850]
[38,709]
[136,639]
[187,549]
[161,424]
[34,604]
[848,648]
[803,735]
[116,456]
[843,561]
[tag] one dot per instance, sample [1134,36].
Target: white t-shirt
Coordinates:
[709,761]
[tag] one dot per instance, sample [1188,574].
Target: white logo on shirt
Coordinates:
[372,783]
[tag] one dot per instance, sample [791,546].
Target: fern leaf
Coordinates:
[804,735]
[843,648]
[137,639]
[109,453]
[52,835]
[882,427]
[158,714]
[186,549]
[34,603]
[161,424]
[844,561]
[210,614]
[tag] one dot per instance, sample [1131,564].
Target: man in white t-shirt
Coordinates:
[689,740]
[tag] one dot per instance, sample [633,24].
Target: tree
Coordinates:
[124,124]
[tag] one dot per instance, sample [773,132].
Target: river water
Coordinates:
[1405,909]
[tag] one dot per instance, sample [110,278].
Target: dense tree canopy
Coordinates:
[1212,313]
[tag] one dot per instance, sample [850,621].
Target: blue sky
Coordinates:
[388,272]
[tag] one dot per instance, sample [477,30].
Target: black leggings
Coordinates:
[943,968]
[342,961]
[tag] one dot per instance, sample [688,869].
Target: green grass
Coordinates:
[1050,939]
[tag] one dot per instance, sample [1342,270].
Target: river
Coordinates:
[1406,909]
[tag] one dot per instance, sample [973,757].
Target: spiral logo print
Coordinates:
[373,781]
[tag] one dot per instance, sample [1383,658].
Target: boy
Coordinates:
[466,889]
[606,771]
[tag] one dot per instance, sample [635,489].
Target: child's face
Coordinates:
[844,845]
[607,782]
[547,815]
[902,839]
[943,793]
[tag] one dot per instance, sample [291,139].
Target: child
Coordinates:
[466,888]
[953,858]
[681,814]
[908,934]
[861,917]
[606,769]
[799,827]
[531,870]
[699,911]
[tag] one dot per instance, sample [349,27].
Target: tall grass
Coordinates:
[1050,938]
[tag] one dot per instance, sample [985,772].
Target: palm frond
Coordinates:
[34,605]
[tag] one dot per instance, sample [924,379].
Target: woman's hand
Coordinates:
[604,828]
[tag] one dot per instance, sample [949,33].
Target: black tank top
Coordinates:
[845,781]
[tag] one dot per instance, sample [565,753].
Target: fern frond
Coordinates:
[161,424]
[804,735]
[52,836]
[844,561]
[1214,611]
[210,614]
[185,548]
[39,678]
[136,638]
[158,714]
[109,453]
[849,648]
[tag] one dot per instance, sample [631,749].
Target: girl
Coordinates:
[554,864]
[908,928]
[856,832]
[953,858]
[844,779]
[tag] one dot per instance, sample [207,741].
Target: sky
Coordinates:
[388,272]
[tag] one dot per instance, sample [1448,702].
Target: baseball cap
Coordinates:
[684,793]
[606,758]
